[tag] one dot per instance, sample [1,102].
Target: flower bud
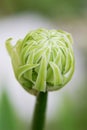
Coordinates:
[43,60]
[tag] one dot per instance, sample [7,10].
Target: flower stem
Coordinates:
[40,111]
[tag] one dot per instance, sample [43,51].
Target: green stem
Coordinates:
[40,111]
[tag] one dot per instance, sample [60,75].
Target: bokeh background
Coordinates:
[67,108]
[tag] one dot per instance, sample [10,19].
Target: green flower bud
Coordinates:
[43,60]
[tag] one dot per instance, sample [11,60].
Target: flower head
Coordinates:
[43,60]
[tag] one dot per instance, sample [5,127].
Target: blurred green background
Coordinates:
[67,108]
[51,8]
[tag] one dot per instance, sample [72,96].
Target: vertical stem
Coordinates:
[40,111]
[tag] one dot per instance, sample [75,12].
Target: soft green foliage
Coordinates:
[8,118]
[72,113]
[51,8]
[43,60]
[75,111]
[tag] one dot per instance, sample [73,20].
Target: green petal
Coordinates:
[41,79]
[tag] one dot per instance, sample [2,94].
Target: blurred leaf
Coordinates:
[72,113]
[67,116]
[51,8]
[8,118]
